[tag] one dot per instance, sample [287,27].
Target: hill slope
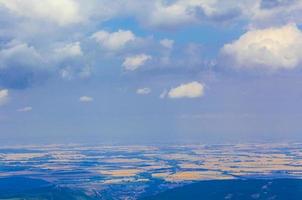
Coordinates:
[278,189]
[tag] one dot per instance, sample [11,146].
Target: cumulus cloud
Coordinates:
[275,12]
[189,90]
[114,40]
[171,14]
[25,109]
[61,12]
[40,24]
[3,96]
[69,50]
[66,73]
[132,63]
[177,13]
[20,65]
[86,99]
[167,43]
[271,48]
[143,91]
[159,13]
[18,53]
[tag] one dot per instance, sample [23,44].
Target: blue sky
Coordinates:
[155,71]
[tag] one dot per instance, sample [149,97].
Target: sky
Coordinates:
[158,71]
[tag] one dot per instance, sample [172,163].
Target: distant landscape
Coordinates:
[248,171]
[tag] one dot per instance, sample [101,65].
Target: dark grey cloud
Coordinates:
[20,65]
[270,4]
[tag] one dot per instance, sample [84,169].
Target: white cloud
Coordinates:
[25,109]
[4,95]
[75,72]
[114,40]
[270,48]
[188,90]
[134,62]
[17,53]
[70,50]
[66,73]
[167,43]
[170,14]
[158,13]
[143,91]
[86,99]
[268,13]
[61,12]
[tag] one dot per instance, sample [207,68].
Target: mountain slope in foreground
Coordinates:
[277,189]
[21,188]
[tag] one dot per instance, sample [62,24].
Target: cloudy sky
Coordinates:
[132,71]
